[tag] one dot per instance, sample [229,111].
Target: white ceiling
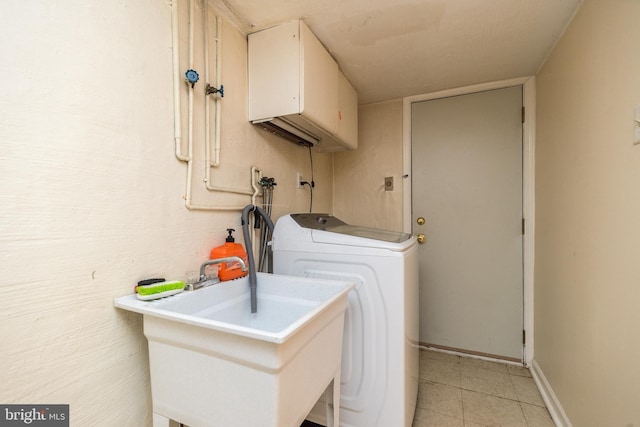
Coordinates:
[389,49]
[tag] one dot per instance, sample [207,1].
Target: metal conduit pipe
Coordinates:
[216,148]
[178,80]
[217,103]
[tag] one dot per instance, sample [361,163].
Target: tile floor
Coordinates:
[466,392]
[457,391]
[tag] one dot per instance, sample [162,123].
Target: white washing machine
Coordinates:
[380,352]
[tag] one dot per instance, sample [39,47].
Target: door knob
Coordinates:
[421,238]
[420,221]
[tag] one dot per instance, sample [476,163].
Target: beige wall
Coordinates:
[91,200]
[359,191]
[91,195]
[587,274]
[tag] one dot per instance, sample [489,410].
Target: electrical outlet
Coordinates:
[388,183]
[299,180]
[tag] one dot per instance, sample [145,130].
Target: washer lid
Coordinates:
[332,224]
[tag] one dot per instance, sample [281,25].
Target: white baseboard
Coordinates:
[550,399]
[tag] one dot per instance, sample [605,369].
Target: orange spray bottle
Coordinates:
[229,270]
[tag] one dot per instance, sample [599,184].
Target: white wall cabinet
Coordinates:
[292,75]
[347,129]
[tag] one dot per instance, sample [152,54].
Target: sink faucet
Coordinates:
[215,261]
[203,281]
[253,280]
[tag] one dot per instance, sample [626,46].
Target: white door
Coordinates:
[467,185]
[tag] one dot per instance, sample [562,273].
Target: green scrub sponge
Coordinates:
[159,290]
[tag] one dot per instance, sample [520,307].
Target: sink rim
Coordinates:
[155,307]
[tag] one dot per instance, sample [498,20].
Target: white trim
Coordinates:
[550,399]
[469,355]
[465,90]
[528,176]
[406,165]
[529,211]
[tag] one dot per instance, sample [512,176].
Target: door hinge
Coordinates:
[524,337]
[523,226]
[522,114]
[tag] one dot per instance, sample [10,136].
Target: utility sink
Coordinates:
[214,363]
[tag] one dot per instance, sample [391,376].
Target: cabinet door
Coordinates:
[274,71]
[319,82]
[347,131]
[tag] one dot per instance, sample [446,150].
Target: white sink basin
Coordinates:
[213,363]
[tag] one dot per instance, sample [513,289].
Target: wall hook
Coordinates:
[211,90]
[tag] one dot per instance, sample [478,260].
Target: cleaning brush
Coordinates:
[159,290]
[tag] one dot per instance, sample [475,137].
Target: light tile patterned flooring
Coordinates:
[457,391]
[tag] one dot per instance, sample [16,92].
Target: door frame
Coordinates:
[528,181]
